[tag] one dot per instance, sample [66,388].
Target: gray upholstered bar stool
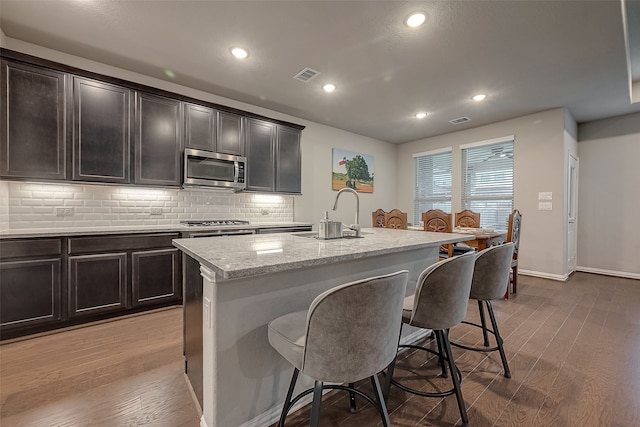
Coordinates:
[490,281]
[439,303]
[350,332]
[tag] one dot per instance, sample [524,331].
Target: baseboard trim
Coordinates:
[271,416]
[541,274]
[614,273]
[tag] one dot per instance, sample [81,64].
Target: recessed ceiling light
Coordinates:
[421,115]
[479,97]
[415,20]
[239,53]
[329,87]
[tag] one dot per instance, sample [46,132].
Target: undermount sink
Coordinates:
[314,235]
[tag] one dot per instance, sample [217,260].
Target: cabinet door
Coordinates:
[29,293]
[230,136]
[158,141]
[33,122]
[156,276]
[288,161]
[101,131]
[200,127]
[260,145]
[97,283]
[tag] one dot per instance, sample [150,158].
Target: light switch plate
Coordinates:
[545,206]
[545,195]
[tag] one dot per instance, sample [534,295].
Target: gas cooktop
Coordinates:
[213,222]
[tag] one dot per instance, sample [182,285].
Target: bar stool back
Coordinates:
[349,333]
[439,303]
[490,281]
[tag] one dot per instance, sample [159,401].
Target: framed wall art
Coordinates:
[352,170]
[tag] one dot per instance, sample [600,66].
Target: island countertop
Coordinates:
[250,255]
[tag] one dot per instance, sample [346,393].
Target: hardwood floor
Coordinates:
[573,349]
[127,372]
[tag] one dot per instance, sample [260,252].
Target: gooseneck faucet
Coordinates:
[355,227]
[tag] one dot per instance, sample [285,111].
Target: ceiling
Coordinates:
[527,56]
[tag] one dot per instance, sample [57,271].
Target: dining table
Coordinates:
[480,238]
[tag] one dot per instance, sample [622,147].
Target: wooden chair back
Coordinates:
[396,219]
[378,218]
[467,218]
[513,235]
[438,221]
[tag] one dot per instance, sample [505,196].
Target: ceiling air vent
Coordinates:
[306,75]
[460,120]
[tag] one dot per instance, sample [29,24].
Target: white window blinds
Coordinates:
[487,182]
[433,183]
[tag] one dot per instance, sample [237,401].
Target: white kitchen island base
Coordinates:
[244,380]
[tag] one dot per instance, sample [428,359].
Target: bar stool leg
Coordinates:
[483,322]
[287,401]
[505,364]
[440,356]
[353,406]
[454,377]
[382,407]
[317,401]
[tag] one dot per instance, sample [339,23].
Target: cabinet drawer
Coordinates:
[29,248]
[88,244]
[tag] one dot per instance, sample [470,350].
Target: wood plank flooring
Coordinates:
[573,349]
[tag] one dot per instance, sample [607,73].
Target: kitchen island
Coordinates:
[249,280]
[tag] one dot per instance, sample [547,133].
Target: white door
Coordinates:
[572,217]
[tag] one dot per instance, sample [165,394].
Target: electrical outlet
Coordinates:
[64,211]
[155,211]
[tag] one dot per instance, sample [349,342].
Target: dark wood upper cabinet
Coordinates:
[33,125]
[213,130]
[260,150]
[230,134]
[200,127]
[101,131]
[288,161]
[158,140]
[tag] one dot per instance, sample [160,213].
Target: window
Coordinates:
[433,182]
[487,181]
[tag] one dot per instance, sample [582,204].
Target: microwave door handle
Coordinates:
[236,171]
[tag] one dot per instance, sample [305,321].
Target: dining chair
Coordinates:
[437,220]
[439,303]
[467,218]
[396,219]
[378,218]
[513,236]
[349,332]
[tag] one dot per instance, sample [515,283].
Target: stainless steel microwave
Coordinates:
[209,169]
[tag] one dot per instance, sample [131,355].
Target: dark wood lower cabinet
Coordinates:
[29,292]
[50,283]
[155,276]
[97,284]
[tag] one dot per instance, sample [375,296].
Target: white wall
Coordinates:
[317,142]
[539,165]
[609,196]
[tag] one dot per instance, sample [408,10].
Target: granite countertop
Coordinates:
[249,255]
[124,229]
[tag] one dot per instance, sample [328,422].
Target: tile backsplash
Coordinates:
[31,205]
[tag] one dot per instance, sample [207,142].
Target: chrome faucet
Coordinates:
[355,227]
